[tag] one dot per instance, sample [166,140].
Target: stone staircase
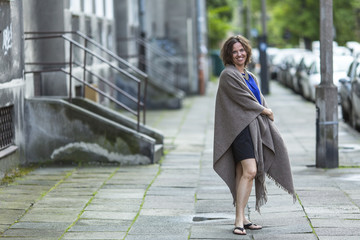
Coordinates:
[86,132]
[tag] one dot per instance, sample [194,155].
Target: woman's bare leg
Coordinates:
[245,174]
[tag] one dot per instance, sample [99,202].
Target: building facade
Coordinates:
[165,39]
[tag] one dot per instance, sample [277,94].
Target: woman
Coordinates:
[247,145]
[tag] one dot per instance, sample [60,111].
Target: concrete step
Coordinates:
[118,118]
[158,152]
[162,95]
[59,131]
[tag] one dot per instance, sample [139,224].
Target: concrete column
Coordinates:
[264,73]
[46,16]
[327,154]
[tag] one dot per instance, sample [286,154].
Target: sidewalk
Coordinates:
[183,198]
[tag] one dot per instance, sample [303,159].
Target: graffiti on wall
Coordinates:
[7,39]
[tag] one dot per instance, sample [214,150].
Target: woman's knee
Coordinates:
[249,174]
[249,169]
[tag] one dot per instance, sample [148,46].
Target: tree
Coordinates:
[345,20]
[220,14]
[291,21]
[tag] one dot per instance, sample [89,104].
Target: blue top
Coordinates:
[253,87]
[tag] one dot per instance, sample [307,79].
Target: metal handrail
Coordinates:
[85,83]
[157,72]
[99,46]
[49,35]
[156,50]
[108,83]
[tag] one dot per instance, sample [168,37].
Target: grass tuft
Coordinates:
[16,173]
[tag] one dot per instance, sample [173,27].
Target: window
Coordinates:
[75,5]
[6,127]
[99,8]
[88,6]
[109,9]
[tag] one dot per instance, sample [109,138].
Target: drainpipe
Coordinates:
[142,50]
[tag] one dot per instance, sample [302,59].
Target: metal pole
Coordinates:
[241,18]
[248,19]
[138,106]
[262,49]
[327,152]
[142,50]
[84,73]
[70,72]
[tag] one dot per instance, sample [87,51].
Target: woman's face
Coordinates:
[239,55]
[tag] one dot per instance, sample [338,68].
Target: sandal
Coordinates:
[241,229]
[252,226]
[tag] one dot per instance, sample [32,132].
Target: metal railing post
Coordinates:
[70,71]
[84,73]
[144,100]
[138,106]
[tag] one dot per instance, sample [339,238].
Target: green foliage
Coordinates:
[14,174]
[226,15]
[290,21]
[345,20]
[217,26]
[220,14]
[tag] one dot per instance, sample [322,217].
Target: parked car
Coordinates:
[305,81]
[340,67]
[345,91]
[294,68]
[303,72]
[278,65]
[354,47]
[355,99]
[342,51]
[288,65]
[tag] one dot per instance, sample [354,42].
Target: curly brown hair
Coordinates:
[226,50]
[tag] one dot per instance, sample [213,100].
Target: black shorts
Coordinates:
[242,147]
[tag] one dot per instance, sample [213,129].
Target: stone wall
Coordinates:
[11,84]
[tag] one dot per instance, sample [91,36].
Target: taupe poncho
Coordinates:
[237,107]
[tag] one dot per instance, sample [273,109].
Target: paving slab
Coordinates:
[338,237]
[51,226]
[9,216]
[38,233]
[4,227]
[101,225]
[160,229]
[94,235]
[178,236]
[48,217]
[109,215]
[31,238]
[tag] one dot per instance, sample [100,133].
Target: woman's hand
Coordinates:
[268,113]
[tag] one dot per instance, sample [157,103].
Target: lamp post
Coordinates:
[327,152]
[264,76]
